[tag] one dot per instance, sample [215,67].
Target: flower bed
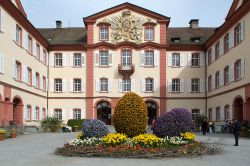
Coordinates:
[117,145]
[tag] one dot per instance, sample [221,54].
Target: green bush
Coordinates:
[51,124]
[75,122]
[130,115]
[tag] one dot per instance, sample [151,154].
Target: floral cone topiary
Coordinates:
[94,128]
[173,123]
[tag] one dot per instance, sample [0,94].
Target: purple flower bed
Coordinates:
[94,128]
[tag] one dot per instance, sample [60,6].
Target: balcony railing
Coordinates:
[126,71]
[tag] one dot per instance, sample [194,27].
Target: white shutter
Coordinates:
[71,60]
[96,55]
[41,54]
[231,72]
[83,85]
[143,85]
[242,68]
[24,39]
[23,74]
[14,74]
[242,26]
[221,78]
[189,59]
[213,82]
[41,82]
[222,113]
[109,85]
[1,63]
[47,58]
[33,78]
[202,59]
[64,85]
[155,85]
[51,85]
[169,85]
[33,113]
[221,47]
[132,85]
[156,57]
[170,59]
[71,86]
[83,59]
[212,54]
[34,48]
[97,85]
[14,31]
[189,85]
[110,59]
[182,86]
[2,21]
[182,59]
[120,85]
[64,60]
[63,114]
[70,114]
[142,58]
[52,59]
[201,86]
[231,39]
[68,59]
[26,115]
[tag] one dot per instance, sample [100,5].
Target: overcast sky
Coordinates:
[44,13]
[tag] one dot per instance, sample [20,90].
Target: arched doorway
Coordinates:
[152,111]
[18,111]
[104,112]
[238,108]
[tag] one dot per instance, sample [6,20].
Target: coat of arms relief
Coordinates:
[126,27]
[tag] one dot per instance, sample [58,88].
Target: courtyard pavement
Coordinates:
[38,150]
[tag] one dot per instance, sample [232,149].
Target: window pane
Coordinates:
[104,58]
[126,84]
[104,85]
[77,60]
[149,58]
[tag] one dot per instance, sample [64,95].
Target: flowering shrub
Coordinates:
[75,142]
[188,136]
[147,140]
[85,142]
[94,128]
[173,123]
[114,139]
[169,141]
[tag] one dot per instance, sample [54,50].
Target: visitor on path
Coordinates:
[225,126]
[210,126]
[236,131]
[204,127]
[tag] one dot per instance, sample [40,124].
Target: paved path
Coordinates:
[37,150]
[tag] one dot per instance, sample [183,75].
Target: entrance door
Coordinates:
[152,111]
[238,109]
[104,112]
[18,111]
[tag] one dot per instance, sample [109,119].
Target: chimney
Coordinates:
[194,23]
[58,24]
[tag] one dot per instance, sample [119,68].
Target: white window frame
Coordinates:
[176,85]
[58,113]
[104,85]
[149,85]
[77,60]
[149,33]
[176,60]
[104,33]
[238,70]
[195,85]
[58,85]
[58,60]
[237,34]
[104,58]
[149,58]
[126,85]
[77,114]
[126,58]
[77,85]
[18,35]
[195,59]
[195,113]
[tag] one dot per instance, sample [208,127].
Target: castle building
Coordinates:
[74,73]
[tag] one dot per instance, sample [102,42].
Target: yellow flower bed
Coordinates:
[79,135]
[114,139]
[188,136]
[147,140]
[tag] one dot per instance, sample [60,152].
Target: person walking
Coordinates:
[204,127]
[236,131]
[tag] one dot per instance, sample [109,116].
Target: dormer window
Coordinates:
[196,39]
[176,40]
[104,33]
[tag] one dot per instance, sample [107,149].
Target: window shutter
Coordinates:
[96,55]
[231,39]
[242,68]
[202,59]
[181,59]
[71,60]
[33,113]
[242,26]
[71,85]
[41,54]
[222,113]
[64,89]
[64,60]
[83,85]
[34,78]
[120,85]
[52,59]
[109,85]
[51,85]
[189,59]
[132,85]
[231,72]
[207,58]
[221,47]
[110,59]
[142,58]
[182,86]
[221,77]
[156,57]
[212,54]
[34,48]
[41,82]
[189,85]
[14,74]
[26,115]
[2,21]
[143,85]
[213,82]
[97,85]
[155,85]
[201,86]
[26,74]
[170,59]
[47,58]
[64,114]
[169,85]
[1,63]
[24,40]
[83,59]
[71,114]
[46,84]
[23,74]
[14,31]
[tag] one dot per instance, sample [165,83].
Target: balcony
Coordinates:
[126,71]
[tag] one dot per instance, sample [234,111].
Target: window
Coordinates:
[77,85]
[149,85]
[195,60]
[149,33]
[237,34]
[104,33]
[28,113]
[29,77]
[126,85]
[149,58]
[217,50]
[176,40]
[58,60]
[18,35]
[18,71]
[195,85]
[209,58]
[77,60]
[237,70]
[36,116]
[217,79]
[226,75]
[126,58]
[210,114]
[104,60]
[58,113]
[195,39]
[209,83]
[104,84]
[38,51]
[175,60]
[77,114]
[44,57]
[37,80]
[44,113]
[195,113]
[44,84]
[227,112]
[226,42]
[176,85]
[217,113]
[30,44]
[58,85]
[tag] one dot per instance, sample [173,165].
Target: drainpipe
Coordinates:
[48,60]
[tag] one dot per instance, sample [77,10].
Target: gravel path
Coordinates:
[37,150]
